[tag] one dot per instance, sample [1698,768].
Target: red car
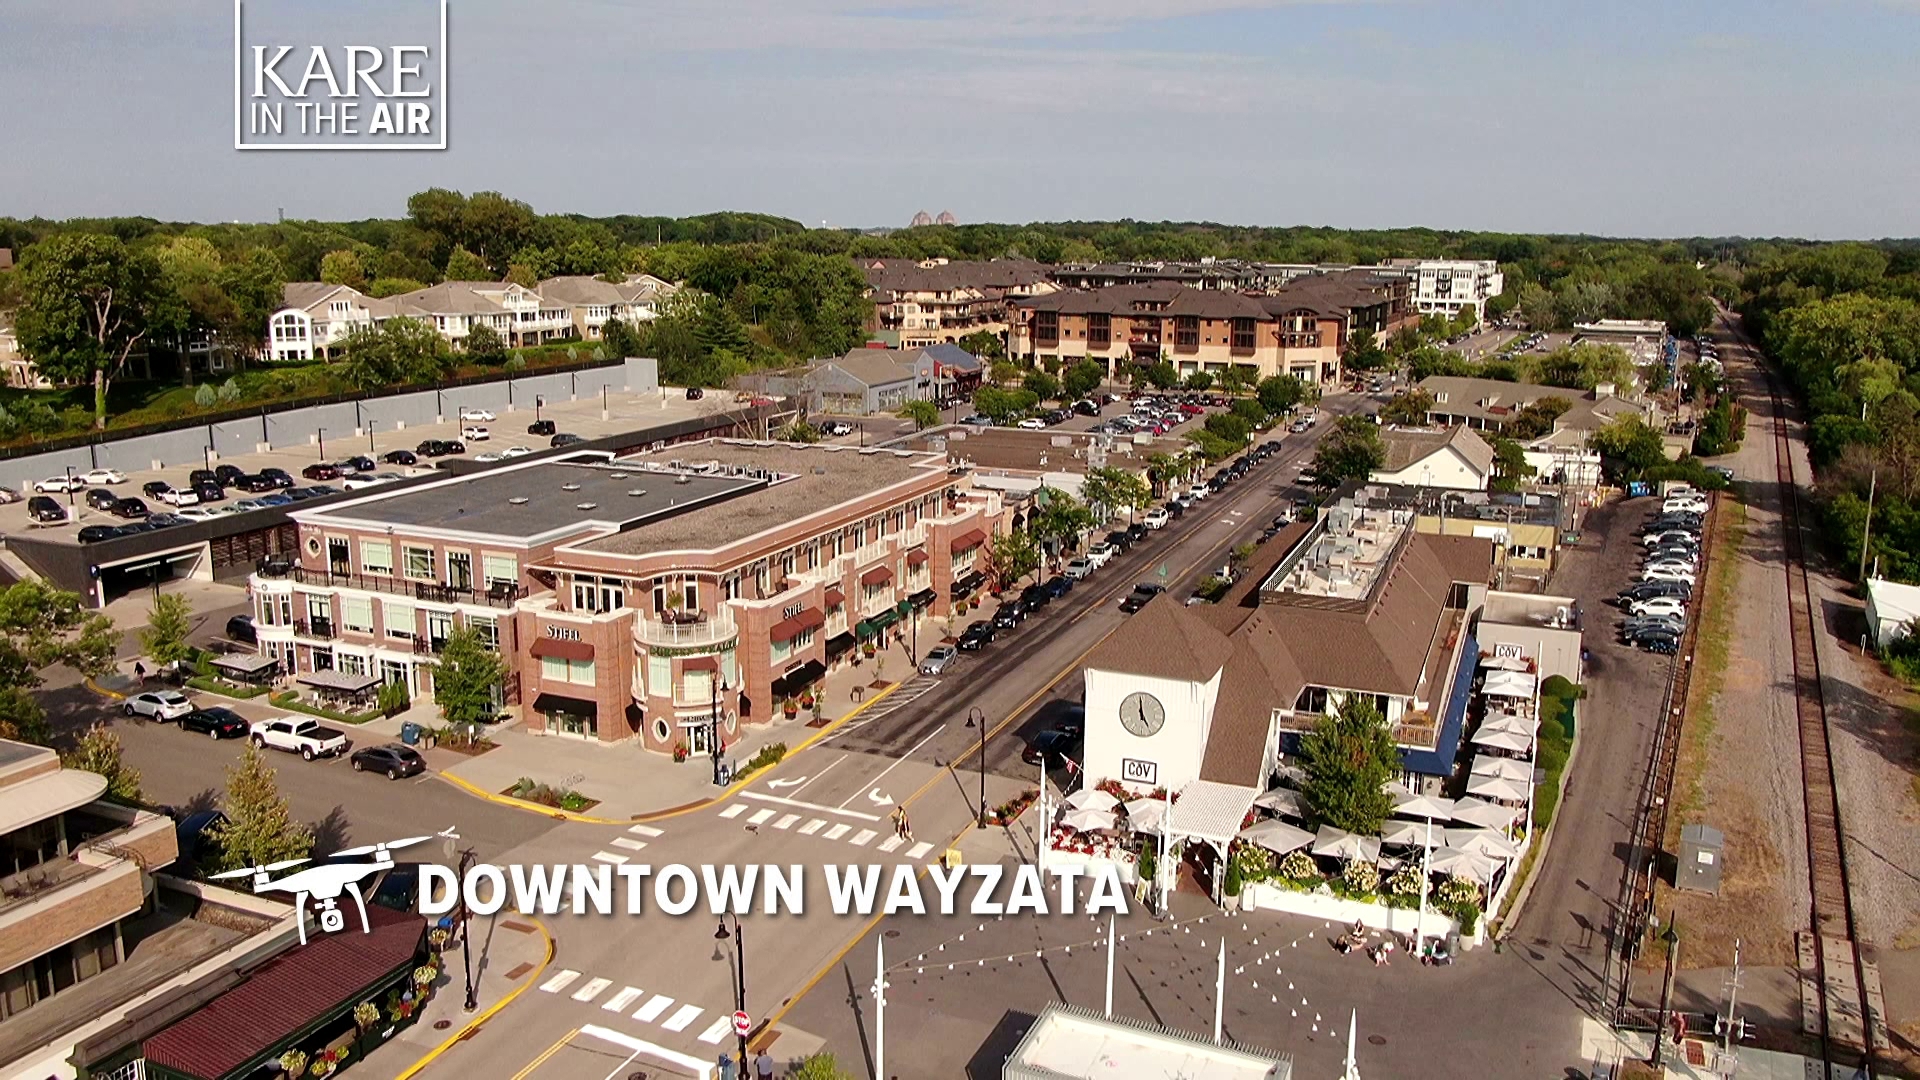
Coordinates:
[321,471]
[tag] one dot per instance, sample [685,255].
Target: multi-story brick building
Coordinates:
[639,596]
[933,301]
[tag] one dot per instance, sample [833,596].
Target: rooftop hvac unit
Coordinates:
[569,486]
[518,500]
[636,492]
[676,464]
[585,506]
[683,478]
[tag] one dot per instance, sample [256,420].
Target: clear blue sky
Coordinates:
[1628,117]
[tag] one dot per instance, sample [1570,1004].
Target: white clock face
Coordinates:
[1142,714]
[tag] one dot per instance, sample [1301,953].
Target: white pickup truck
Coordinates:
[296,736]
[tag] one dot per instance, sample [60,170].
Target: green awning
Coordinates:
[900,609]
[879,622]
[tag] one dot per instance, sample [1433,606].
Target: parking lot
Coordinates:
[507,430]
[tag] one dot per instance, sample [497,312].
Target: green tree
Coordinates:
[87,303]
[720,329]
[1041,385]
[1537,419]
[343,267]
[621,339]
[1349,757]
[1230,428]
[1011,556]
[1002,406]
[922,412]
[1161,375]
[1278,393]
[800,432]
[1199,381]
[1059,522]
[395,353]
[467,679]
[818,1066]
[1510,468]
[1351,451]
[1363,353]
[381,288]
[1408,409]
[1109,491]
[484,346]
[169,622]
[260,828]
[984,344]
[1237,378]
[464,265]
[41,628]
[98,752]
[1083,378]
[1464,320]
[1629,447]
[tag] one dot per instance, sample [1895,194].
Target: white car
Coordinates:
[1674,563]
[1198,492]
[1101,554]
[180,497]
[356,481]
[1689,504]
[489,456]
[1662,573]
[475,433]
[1079,569]
[476,414]
[1033,423]
[834,429]
[516,451]
[1659,605]
[159,704]
[1155,518]
[200,513]
[104,476]
[59,483]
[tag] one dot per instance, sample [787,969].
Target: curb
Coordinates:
[110,695]
[474,1024]
[658,815]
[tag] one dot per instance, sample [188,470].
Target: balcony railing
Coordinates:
[429,646]
[314,628]
[500,594]
[688,631]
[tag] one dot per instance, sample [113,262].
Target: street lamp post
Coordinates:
[976,718]
[320,436]
[74,509]
[466,927]
[740,976]
[713,728]
[538,401]
[370,446]
[1671,937]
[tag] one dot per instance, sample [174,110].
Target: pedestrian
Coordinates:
[763,1066]
[901,827]
[140,673]
[724,1066]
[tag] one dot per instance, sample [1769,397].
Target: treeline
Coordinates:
[1843,320]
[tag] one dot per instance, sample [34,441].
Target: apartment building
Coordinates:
[933,301]
[518,314]
[591,302]
[640,597]
[315,317]
[1445,286]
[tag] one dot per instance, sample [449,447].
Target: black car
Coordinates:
[1176,509]
[210,492]
[694,393]
[1647,590]
[565,439]
[541,427]
[400,457]
[153,489]
[1054,747]
[436,448]
[202,477]
[1120,538]
[1086,408]
[229,475]
[128,508]
[1011,614]
[976,636]
[1141,593]
[197,836]
[393,759]
[93,534]
[240,628]
[217,722]
[100,498]
[1137,532]
[1656,641]
[163,521]
[258,485]
[1058,585]
[359,463]
[1034,597]
[280,477]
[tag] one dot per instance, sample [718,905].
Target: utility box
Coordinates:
[1703,851]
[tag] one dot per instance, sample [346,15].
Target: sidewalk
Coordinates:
[509,952]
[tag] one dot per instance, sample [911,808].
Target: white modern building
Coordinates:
[1444,286]
[1891,609]
[1457,459]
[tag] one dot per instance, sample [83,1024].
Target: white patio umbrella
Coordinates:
[1506,721]
[1088,820]
[1341,844]
[1276,836]
[1423,806]
[1498,739]
[1146,815]
[1466,864]
[1505,768]
[1283,801]
[1407,833]
[1509,684]
[1496,787]
[1092,799]
[1486,842]
[1291,774]
[1503,663]
[1485,814]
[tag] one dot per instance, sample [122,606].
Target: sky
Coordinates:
[1614,117]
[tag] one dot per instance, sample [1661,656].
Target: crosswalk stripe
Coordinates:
[559,982]
[838,831]
[861,838]
[717,1030]
[890,843]
[759,816]
[919,850]
[651,1009]
[787,821]
[734,811]
[629,843]
[686,1014]
[620,1001]
[813,826]
[644,830]
[609,857]
[592,989]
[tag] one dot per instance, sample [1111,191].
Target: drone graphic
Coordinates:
[326,882]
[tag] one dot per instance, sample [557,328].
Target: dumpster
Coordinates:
[410,733]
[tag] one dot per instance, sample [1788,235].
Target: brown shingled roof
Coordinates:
[1167,640]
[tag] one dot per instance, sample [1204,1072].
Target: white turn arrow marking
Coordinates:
[786,783]
[879,799]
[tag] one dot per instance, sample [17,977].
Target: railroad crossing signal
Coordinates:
[742,1023]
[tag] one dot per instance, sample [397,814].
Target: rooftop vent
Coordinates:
[683,478]
[636,492]
[586,506]
[569,486]
[518,500]
[618,475]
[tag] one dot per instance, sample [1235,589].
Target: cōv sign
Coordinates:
[1137,771]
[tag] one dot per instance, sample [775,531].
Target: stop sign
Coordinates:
[742,1024]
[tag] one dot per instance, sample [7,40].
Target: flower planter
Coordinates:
[1230,903]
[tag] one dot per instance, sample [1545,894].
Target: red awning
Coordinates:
[835,598]
[700,663]
[879,575]
[288,993]
[917,557]
[788,629]
[972,538]
[563,649]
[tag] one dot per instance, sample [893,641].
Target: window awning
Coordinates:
[918,557]
[798,679]
[879,622]
[835,598]
[700,663]
[923,598]
[839,643]
[970,539]
[788,629]
[560,703]
[340,682]
[289,996]
[562,649]
[879,575]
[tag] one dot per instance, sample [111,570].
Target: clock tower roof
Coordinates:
[1164,640]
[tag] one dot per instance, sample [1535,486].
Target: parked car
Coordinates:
[8,495]
[1101,554]
[394,759]
[199,478]
[210,492]
[1119,539]
[565,439]
[1032,423]
[1077,569]
[163,521]
[1662,573]
[60,484]
[1198,492]
[158,705]
[1656,641]
[229,475]
[297,736]
[404,457]
[1141,593]
[366,480]
[128,508]
[938,659]
[1670,536]
[475,433]
[432,448]
[470,413]
[1137,532]
[976,636]
[104,476]
[322,470]
[100,498]
[695,393]
[1658,605]
[93,534]
[1054,747]
[1011,614]
[1059,585]
[359,463]
[218,722]
[45,509]
[1035,597]
[515,451]
[541,427]
[202,513]
[278,476]
[240,628]
[834,429]
[1156,518]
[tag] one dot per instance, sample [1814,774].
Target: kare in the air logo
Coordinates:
[309,76]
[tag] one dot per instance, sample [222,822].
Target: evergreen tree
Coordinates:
[169,621]
[260,827]
[98,752]
[1349,757]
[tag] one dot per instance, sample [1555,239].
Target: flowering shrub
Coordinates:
[1114,788]
[1404,882]
[366,1014]
[1361,876]
[425,974]
[293,1063]
[1458,890]
[1254,862]
[1298,866]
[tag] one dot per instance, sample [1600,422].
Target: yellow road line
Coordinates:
[474,1024]
[542,1059]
